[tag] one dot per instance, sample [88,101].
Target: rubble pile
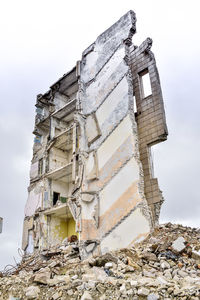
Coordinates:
[164,266]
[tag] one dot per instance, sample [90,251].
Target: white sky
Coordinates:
[42,40]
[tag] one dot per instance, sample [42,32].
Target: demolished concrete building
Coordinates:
[91,172]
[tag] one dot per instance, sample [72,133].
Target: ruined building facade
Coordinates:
[91,172]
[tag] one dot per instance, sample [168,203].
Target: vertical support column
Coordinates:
[74,153]
[52,128]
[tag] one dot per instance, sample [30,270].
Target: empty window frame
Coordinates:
[145,84]
[56,197]
[38,139]
[40,111]
[134,104]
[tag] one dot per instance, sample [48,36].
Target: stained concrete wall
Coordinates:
[59,229]
[119,203]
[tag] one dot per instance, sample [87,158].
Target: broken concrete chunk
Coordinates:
[90,247]
[165,265]
[153,297]
[86,197]
[122,287]
[102,260]
[95,274]
[178,245]
[108,265]
[149,256]
[67,250]
[86,296]
[57,295]
[161,280]
[43,276]
[32,292]
[143,292]
[133,283]
[58,279]
[196,255]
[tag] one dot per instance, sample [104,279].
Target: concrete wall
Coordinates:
[119,201]
[57,158]
[152,128]
[35,198]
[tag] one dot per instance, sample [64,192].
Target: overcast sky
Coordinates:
[41,40]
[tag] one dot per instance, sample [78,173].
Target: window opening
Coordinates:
[145,84]
[134,104]
[56,197]
[40,111]
[38,139]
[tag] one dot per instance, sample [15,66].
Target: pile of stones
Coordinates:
[164,266]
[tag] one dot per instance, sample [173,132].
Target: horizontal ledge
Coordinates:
[61,211]
[65,110]
[60,172]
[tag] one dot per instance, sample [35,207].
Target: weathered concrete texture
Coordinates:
[132,229]
[90,172]
[97,55]
[108,92]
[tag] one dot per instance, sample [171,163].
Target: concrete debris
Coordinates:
[157,271]
[143,291]
[43,276]
[32,292]
[152,297]
[179,244]
[86,296]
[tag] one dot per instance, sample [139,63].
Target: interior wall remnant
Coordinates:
[60,229]
[27,227]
